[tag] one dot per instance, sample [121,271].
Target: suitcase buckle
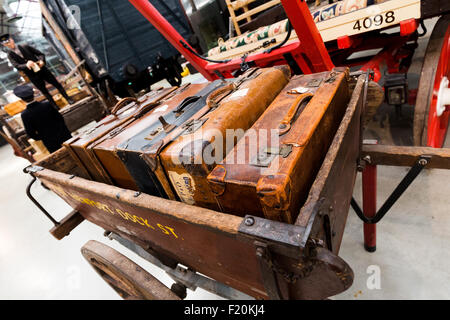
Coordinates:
[192,126]
[266,156]
[314,83]
[115,132]
[154,133]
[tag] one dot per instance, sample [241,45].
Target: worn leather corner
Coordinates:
[216,180]
[286,71]
[274,191]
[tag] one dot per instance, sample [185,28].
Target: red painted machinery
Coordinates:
[356,32]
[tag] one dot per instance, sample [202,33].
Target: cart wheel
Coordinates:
[128,279]
[430,116]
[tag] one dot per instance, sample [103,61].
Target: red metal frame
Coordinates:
[437,126]
[309,52]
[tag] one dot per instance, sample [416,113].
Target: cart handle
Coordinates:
[30,170]
[62,228]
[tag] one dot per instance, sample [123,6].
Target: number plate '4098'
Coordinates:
[385,14]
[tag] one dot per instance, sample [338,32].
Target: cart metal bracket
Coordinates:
[272,231]
[32,169]
[396,194]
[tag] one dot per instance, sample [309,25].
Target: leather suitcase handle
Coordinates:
[146,108]
[285,124]
[185,103]
[211,100]
[123,102]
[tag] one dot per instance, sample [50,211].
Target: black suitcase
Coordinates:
[131,150]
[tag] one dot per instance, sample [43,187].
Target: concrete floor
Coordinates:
[412,260]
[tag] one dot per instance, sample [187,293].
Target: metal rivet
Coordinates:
[423,162]
[249,221]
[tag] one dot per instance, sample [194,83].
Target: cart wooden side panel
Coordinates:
[198,238]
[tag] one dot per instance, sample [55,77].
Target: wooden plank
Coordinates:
[249,19]
[236,5]
[233,17]
[66,225]
[338,169]
[60,34]
[256,10]
[407,156]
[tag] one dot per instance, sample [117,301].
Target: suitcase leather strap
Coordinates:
[285,124]
[214,98]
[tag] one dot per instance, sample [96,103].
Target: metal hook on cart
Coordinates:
[31,170]
[396,194]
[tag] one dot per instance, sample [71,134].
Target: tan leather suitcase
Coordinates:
[124,110]
[104,148]
[181,160]
[270,171]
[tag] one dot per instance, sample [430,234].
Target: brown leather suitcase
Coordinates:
[124,110]
[270,171]
[104,148]
[180,163]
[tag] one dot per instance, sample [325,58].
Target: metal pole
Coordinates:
[369,184]
[105,49]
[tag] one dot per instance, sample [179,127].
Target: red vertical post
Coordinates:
[311,42]
[369,185]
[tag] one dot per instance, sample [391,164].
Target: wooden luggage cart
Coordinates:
[245,256]
[241,257]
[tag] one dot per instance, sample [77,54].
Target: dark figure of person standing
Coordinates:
[31,61]
[42,121]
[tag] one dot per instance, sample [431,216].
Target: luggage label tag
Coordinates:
[238,94]
[298,90]
[184,185]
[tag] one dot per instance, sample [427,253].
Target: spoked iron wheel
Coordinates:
[128,279]
[431,116]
